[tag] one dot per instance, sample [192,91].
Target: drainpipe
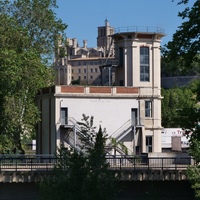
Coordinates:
[75,136]
[134,133]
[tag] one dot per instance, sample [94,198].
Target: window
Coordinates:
[96,70]
[85,70]
[72,78]
[79,70]
[91,77]
[72,71]
[79,77]
[144,63]
[85,77]
[121,56]
[121,83]
[148,108]
[149,144]
[91,70]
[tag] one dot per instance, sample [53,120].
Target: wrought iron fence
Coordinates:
[47,162]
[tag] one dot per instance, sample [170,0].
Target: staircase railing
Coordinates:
[122,131]
[78,132]
[75,143]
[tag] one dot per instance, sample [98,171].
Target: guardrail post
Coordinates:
[16,164]
[120,162]
[176,163]
[31,164]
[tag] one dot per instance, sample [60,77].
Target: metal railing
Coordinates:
[144,163]
[139,29]
[47,162]
[27,162]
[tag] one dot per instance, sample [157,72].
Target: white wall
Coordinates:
[109,113]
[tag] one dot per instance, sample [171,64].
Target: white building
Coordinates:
[130,111]
[174,139]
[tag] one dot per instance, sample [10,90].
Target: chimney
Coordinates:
[74,41]
[84,43]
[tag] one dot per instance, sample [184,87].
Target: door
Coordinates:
[148,144]
[133,116]
[64,116]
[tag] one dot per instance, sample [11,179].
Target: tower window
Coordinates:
[144,63]
[148,108]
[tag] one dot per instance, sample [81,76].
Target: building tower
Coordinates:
[104,38]
[138,55]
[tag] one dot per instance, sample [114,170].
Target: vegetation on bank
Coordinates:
[83,173]
[28,33]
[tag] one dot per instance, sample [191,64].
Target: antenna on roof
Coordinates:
[106,22]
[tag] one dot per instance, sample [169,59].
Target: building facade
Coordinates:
[130,111]
[80,65]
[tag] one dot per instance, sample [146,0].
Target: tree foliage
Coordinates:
[79,175]
[184,46]
[39,19]
[189,121]
[176,67]
[174,101]
[28,32]
[193,173]
[88,134]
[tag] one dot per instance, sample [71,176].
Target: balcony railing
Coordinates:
[47,162]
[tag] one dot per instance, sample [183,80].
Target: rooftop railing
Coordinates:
[143,29]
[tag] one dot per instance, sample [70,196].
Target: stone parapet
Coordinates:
[124,175]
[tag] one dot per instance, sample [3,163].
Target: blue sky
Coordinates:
[84,16]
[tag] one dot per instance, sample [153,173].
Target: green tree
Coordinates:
[174,101]
[81,175]
[39,19]
[177,67]
[69,178]
[26,39]
[88,134]
[190,123]
[184,46]
[102,182]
